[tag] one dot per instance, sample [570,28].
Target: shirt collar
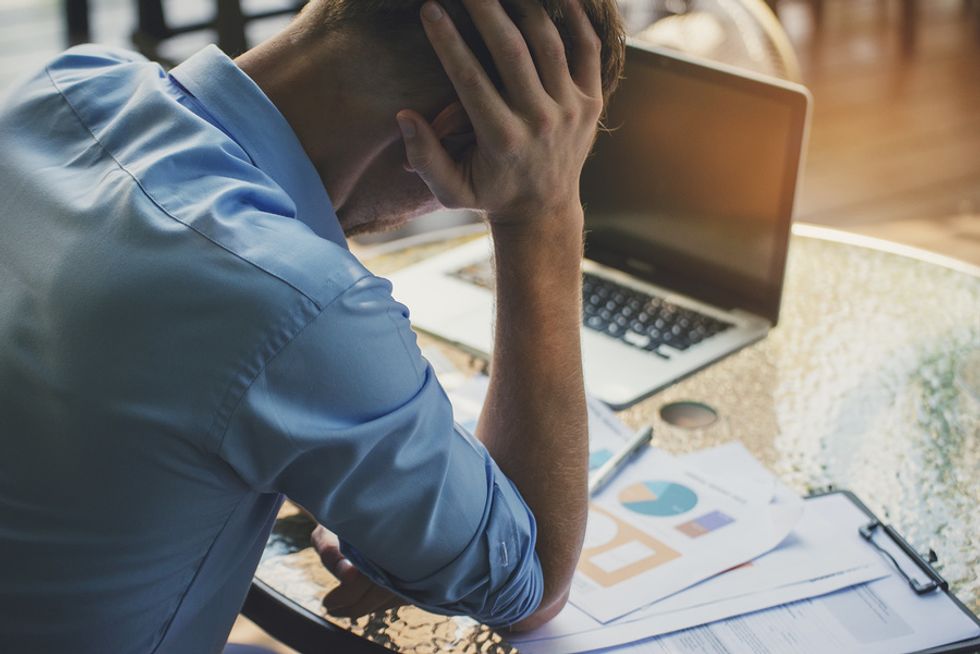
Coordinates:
[247,115]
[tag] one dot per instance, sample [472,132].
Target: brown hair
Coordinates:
[397,22]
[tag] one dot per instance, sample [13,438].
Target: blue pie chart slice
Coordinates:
[658,498]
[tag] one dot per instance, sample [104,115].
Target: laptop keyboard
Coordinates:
[644,321]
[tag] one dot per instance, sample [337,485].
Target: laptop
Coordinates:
[688,202]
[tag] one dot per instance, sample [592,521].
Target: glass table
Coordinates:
[870,382]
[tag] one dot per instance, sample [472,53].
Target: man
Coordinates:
[185,338]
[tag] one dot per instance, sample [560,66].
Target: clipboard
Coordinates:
[933,582]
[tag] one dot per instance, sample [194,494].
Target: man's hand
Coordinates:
[532,140]
[357,595]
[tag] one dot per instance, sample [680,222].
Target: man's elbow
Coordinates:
[545,612]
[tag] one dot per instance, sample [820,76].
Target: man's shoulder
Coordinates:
[83,62]
[95,75]
[179,184]
[194,174]
[83,67]
[93,57]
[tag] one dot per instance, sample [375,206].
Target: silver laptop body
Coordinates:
[689,199]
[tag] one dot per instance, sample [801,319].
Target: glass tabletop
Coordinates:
[870,382]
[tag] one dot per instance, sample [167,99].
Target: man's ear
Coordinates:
[454,130]
[452,121]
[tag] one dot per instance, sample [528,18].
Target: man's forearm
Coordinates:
[531,136]
[534,421]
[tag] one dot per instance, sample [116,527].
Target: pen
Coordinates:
[610,468]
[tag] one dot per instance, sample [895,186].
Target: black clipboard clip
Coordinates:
[921,588]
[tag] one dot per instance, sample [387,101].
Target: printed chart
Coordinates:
[655,530]
[705,524]
[615,551]
[658,498]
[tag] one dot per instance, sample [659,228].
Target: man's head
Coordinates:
[356,63]
[394,26]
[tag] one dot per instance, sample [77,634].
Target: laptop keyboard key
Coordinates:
[595,322]
[639,340]
[644,321]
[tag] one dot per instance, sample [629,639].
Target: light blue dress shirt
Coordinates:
[184,339]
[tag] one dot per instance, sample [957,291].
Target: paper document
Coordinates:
[811,561]
[811,551]
[662,526]
[880,617]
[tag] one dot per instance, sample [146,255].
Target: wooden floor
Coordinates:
[895,141]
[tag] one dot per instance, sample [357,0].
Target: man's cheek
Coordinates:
[418,196]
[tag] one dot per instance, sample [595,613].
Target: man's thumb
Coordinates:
[428,158]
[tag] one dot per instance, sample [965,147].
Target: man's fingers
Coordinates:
[375,600]
[547,46]
[353,586]
[487,110]
[327,546]
[429,159]
[586,50]
[357,595]
[510,52]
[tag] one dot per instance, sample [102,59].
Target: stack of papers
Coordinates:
[809,561]
[883,616]
[677,542]
[662,526]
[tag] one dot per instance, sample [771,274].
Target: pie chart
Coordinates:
[658,498]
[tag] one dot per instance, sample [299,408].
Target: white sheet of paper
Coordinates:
[690,525]
[811,561]
[880,617]
[623,633]
[607,433]
[449,376]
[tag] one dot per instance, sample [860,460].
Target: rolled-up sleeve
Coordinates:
[348,421]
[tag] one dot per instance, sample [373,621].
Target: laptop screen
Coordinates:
[693,187]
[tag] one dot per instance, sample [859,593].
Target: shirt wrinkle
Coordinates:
[272,357]
[159,206]
[197,571]
[412,363]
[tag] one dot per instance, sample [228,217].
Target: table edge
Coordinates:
[809,230]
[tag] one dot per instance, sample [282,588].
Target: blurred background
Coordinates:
[895,142]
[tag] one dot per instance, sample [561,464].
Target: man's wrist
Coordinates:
[557,222]
[538,271]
